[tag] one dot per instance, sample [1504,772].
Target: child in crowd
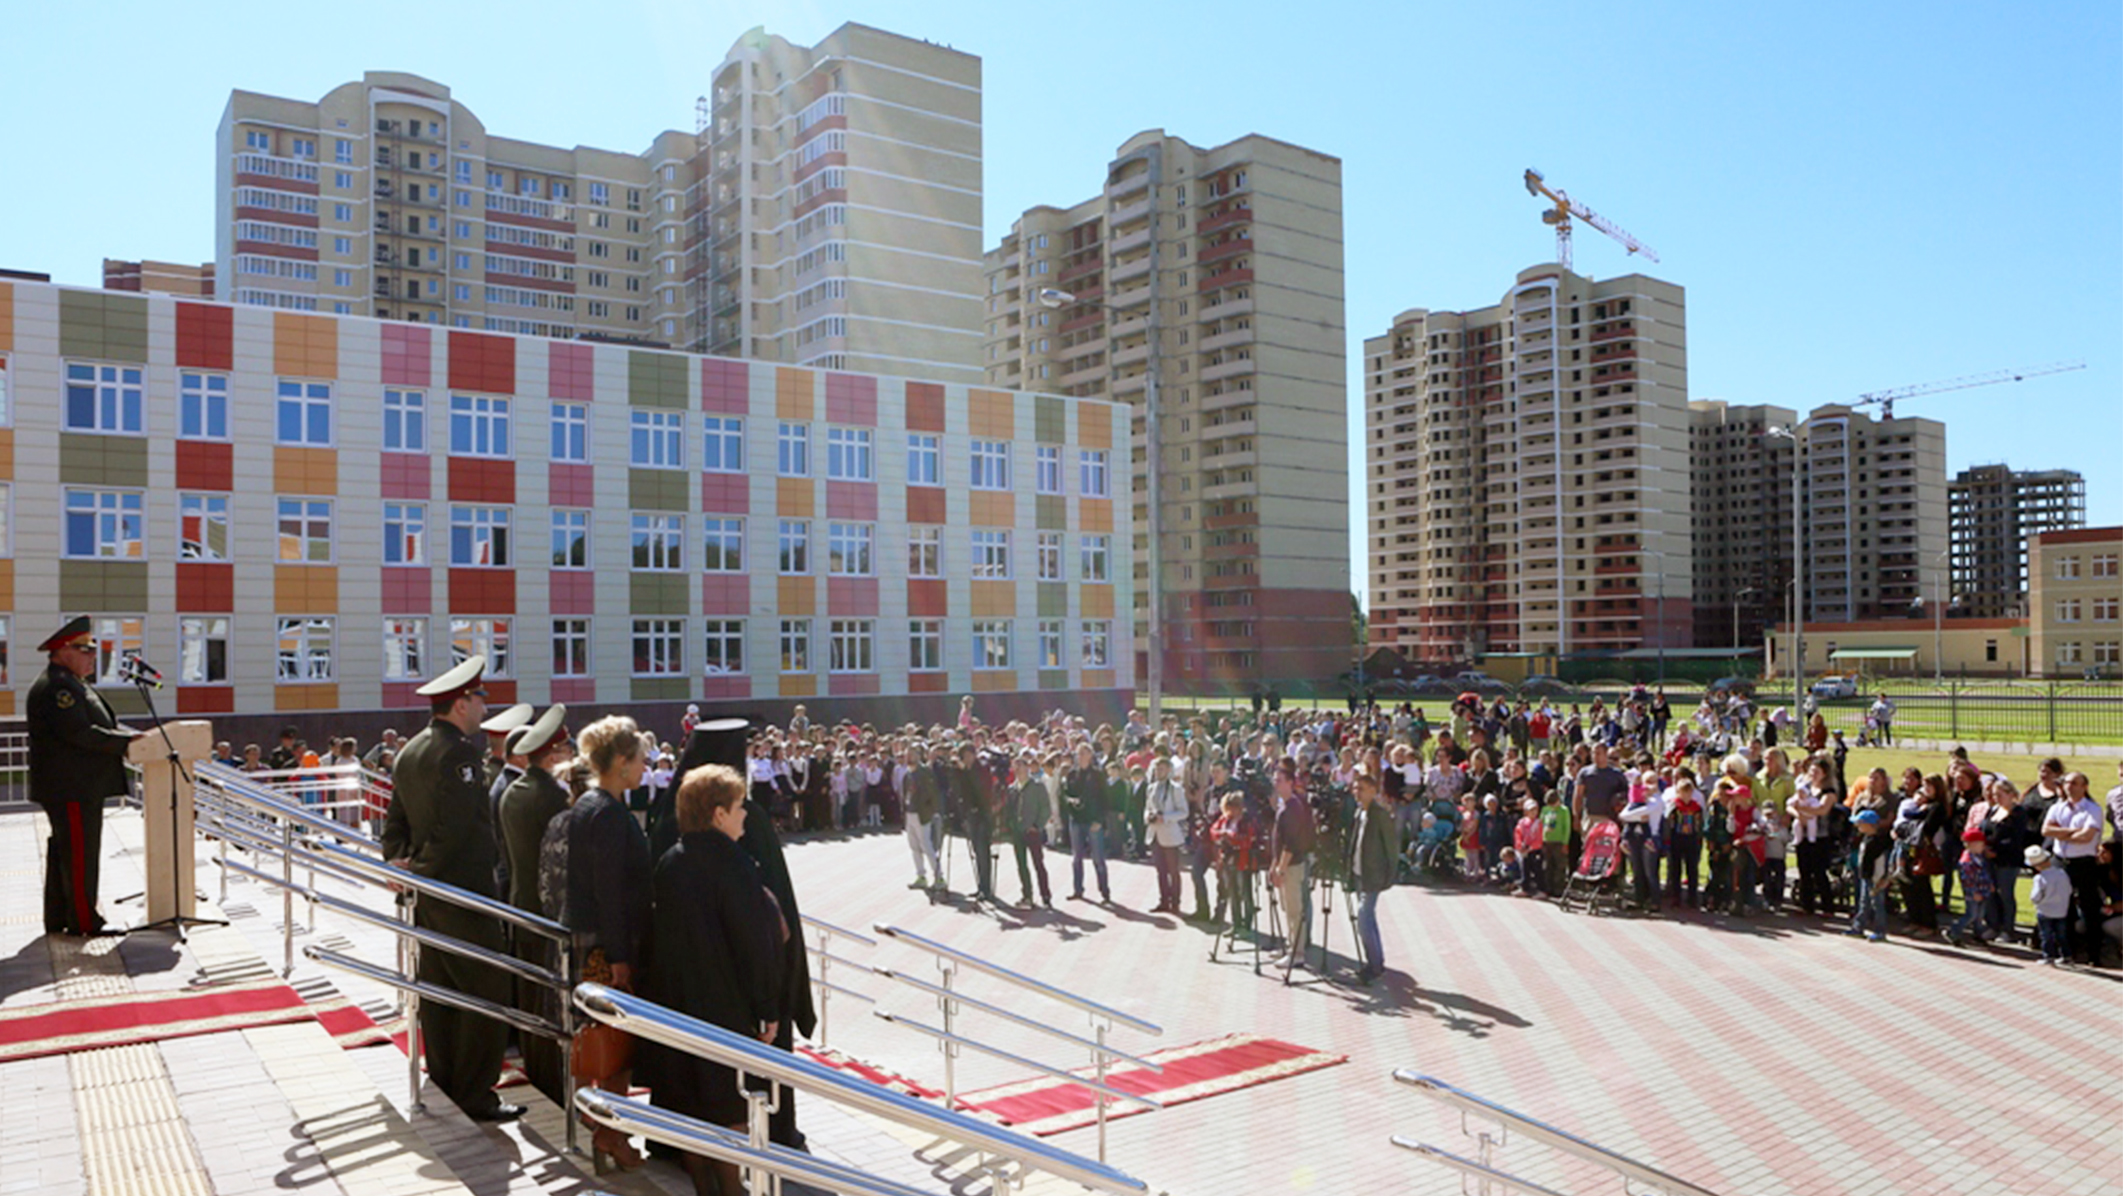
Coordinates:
[1431,841]
[1232,833]
[1717,837]
[1471,858]
[1493,829]
[1526,840]
[1684,838]
[1555,842]
[2052,899]
[1508,873]
[1776,848]
[1869,863]
[1977,884]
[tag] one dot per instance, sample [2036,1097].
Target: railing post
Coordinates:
[221,846]
[760,1107]
[825,990]
[411,947]
[2050,702]
[287,897]
[1098,1060]
[566,971]
[949,1007]
[1953,705]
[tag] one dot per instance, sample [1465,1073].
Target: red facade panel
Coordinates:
[407,590]
[853,500]
[851,399]
[571,371]
[725,594]
[851,597]
[925,406]
[928,598]
[408,355]
[482,479]
[205,587]
[403,695]
[483,592]
[205,337]
[571,485]
[572,592]
[205,465]
[405,475]
[928,683]
[852,684]
[483,363]
[726,493]
[925,504]
[575,691]
[206,699]
[728,685]
[725,386]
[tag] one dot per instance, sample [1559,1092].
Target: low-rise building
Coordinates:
[2075,602]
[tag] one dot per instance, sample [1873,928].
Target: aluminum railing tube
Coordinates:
[1479,1171]
[1021,980]
[240,788]
[630,1116]
[647,1020]
[1548,1135]
[1019,1060]
[528,1022]
[829,928]
[500,910]
[956,997]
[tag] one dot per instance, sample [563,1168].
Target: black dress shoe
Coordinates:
[499,1111]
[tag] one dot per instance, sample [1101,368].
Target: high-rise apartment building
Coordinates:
[825,212]
[1991,511]
[1741,498]
[1207,281]
[1529,472]
[1875,507]
[159,278]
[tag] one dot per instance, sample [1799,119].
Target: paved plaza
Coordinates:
[1758,1057]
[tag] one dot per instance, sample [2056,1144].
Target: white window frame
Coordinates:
[851,645]
[925,550]
[484,635]
[722,647]
[795,645]
[405,647]
[567,521]
[991,644]
[722,444]
[793,547]
[1095,551]
[658,647]
[311,403]
[202,405]
[117,637]
[117,521]
[209,508]
[313,640]
[1094,473]
[990,464]
[116,396]
[850,455]
[1095,644]
[480,523]
[570,432]
[1047,469]
[2068,610]
[305,514]
[656,439]
[1047,555]
[1050,644]
[722,544]
[405,529]
[483,421]
[925,645]
[571,646]
[851,549]
[924,459]
[792,450]
[991,554]
[656,542]
[405,421]
[196,635]
[2067,568]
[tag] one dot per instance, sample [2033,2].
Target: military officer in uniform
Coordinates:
[440,826]
[527,806]
[76,760]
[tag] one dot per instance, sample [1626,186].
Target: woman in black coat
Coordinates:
[718,936]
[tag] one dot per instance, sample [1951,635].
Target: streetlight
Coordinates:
[1739,600]
[1798,571]
[1050,297]
[1659,610]
[1938,613]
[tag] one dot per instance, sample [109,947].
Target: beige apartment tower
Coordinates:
[1210,279]
[1741,496]
[825,211]
[1875,507]
[1528,472]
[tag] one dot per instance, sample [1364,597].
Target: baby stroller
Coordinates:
[1594,881]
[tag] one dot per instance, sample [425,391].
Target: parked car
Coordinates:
[1475,679]
[1835,687]
[1430,683]
[1739,685]
[1542,684]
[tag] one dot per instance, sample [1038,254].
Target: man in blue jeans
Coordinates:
[1374,855]
[1083,801]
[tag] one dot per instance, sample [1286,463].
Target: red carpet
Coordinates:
[1046,1105]
[350,1027]
[55,1029]
[876,1075]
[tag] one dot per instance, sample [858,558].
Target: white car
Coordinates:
[1835,687]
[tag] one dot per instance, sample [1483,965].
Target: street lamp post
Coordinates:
[1050,297]
[1938,615]
[1739,600]
[1659,611]
[1798,569]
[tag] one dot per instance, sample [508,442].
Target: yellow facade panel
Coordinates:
[797,596]
[1097,601]
[1095,514]
[994,680]
[994,599]
[795,498]
[795,393]
[993,508]
[799,685]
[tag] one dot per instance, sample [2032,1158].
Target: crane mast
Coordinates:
[1566,209]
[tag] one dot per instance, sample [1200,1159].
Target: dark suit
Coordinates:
[527,806]
[764,846]
[76,760]
[441,823]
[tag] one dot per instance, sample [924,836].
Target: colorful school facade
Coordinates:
[300,517]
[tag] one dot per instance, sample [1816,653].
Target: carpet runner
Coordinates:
[876,1075]
[1045,1105]
[57,1028]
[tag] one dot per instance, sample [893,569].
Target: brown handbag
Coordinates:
[601,1051]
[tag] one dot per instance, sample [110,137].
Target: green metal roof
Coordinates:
[1873,654]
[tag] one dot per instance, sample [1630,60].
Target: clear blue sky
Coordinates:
[1855,196]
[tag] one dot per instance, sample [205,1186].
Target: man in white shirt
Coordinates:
[2073,828]
[1882,713]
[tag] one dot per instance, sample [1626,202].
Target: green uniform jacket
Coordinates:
[76,751]
[527,806]
[441,819]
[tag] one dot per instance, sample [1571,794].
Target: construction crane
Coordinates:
[1567,208]
[1885,399]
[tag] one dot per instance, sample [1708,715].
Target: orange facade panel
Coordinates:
[305,346]
[306,589]
[796,595]
[1094,514]
[795,498]
[1094,426]
[1097,679]
[305,470]
[994,599]
[7,451]
[994,680]
[1096,601]
[993,508]
[991,414]
[795,394]
[799,685]
[7,316]
[306,697]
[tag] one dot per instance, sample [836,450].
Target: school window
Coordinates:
[991,465]
[848,454]
[103,398]
[1049,555]
[723,444]
[117,637]
[2068,653]
[1050,643]
[658,440]
[571,538]
[405,421]
[203,527]
[1096,645]
[2067,567]
[203,406]
[2068,610]
[723,649]
[103,524]
[659,647]
[571,647]
[304,413]
[925,552]
[303,649]
[571,432]
[925,645]
[796,645]
[479,537]
[991,555]
[2105,609]
[851,645]
[2103,565]
[659,542]
[794,544]
[1091,473]
[848,549]
[1096,552]
[1047,469]
[792,450]
[2108,652]
[991,644]
[405,648]
[479,426]
[305,531]
[203,650]
[471,637]
[922,458]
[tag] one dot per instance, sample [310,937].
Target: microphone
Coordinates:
[140,672]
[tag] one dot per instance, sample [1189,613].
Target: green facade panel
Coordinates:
[104,327]
[1054,678]
[1053,600]
[87,459]
[1050,420]
[1052,512]
[662,689]
[118,587]
[657,489]
[656,379]
[658,593]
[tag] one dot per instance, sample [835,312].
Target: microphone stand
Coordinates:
[176,921]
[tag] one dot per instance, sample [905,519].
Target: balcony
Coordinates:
[1131,241]
[1121,272]
[1241,215]
[1225,278]
[1131,355]
[1231,248]
[1237,336]
[1230,369]
[1225,309]
[1126,214]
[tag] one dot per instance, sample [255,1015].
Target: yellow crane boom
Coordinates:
[1567,209]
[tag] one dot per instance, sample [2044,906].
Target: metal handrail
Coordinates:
[379,871]
[938,990]
[654,1023]
[631,1116]
[1548,1135]
[1468,1167]
[1022,981]
[529,1022]
[843,932]
[1019,1060]
[238,784]
[826,959]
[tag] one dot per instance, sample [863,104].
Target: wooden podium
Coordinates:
[172,880]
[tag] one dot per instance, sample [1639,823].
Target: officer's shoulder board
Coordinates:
[64,699]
